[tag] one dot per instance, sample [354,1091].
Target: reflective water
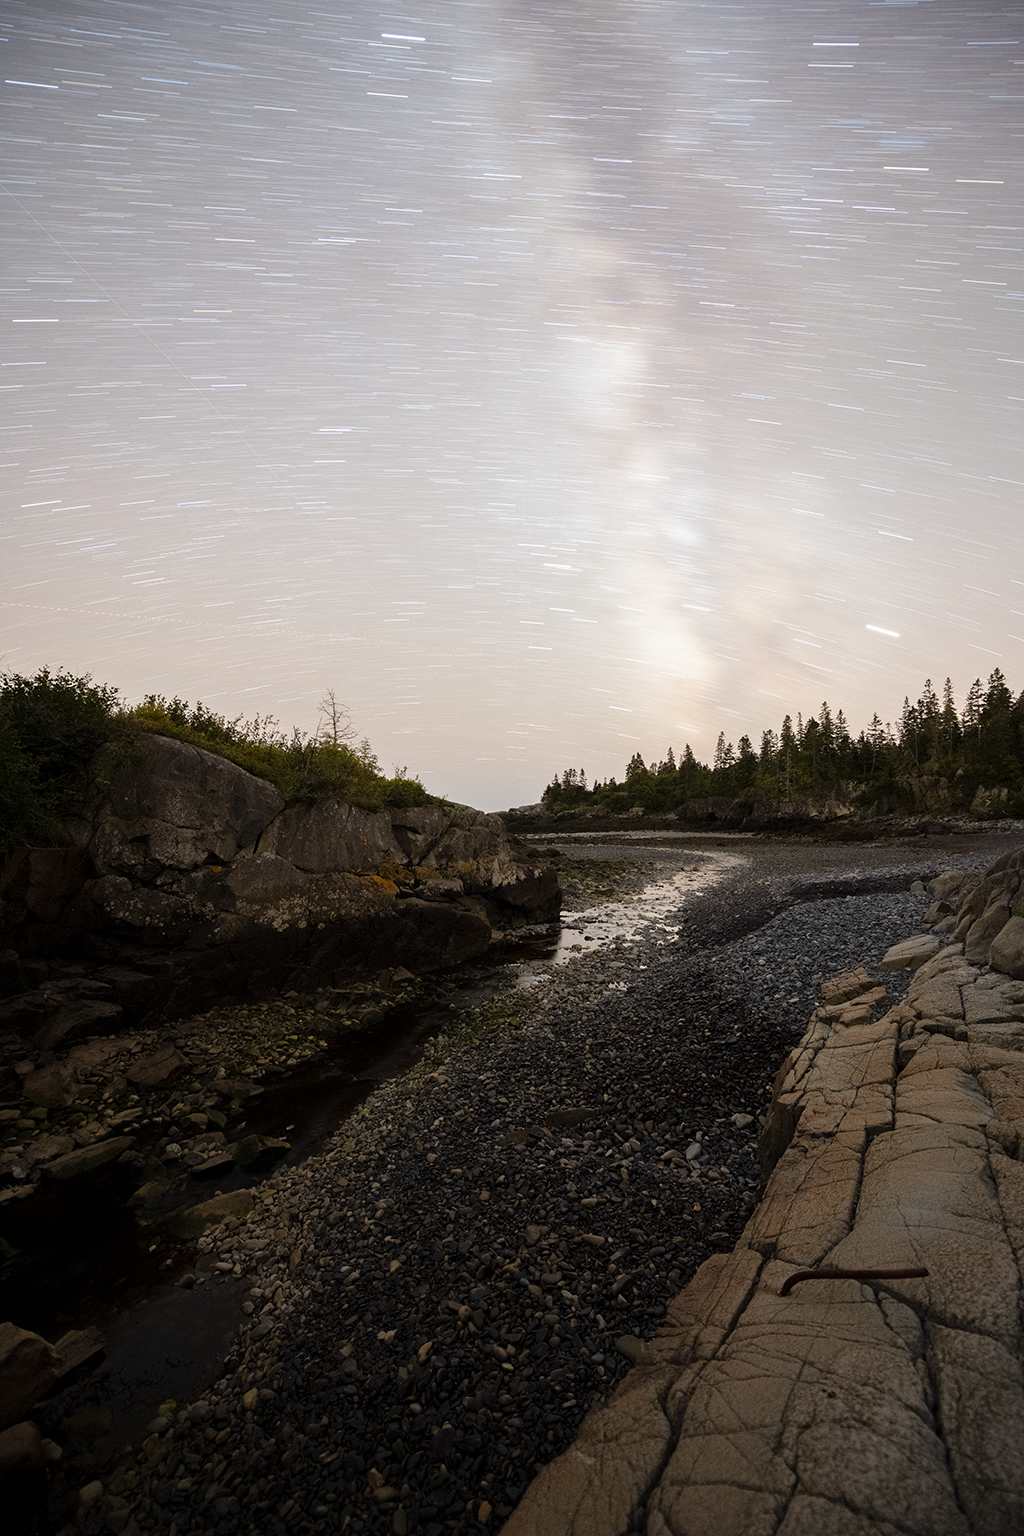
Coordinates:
[657,912]
[554,838]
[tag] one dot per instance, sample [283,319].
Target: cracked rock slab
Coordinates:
[868,1406]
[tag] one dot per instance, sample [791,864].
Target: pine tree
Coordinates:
[826,727]
[810,746]
[997,733]
[746,763]
[929,723]
[553,793]
[928,703]
[842,739]
[985,739]
[910,734]
[950,721]
[876,739]
[725,754]
[998,698]
[971,717]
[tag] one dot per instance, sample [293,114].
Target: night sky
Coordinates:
[554,382]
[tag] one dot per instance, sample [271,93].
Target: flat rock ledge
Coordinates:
[847,1407]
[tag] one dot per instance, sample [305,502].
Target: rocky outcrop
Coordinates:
[186,881]
[847,1405]
[985,914]
[915,803]
[29,1366]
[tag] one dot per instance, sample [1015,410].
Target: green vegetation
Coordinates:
[58,733]
[505,1011]
[980,746]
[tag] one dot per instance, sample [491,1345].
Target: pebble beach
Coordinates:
[434,1300]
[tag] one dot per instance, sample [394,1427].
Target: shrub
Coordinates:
[21,811]
[58,720]
[50,726]
[55,728]
[300,767]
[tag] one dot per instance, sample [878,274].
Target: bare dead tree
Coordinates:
[335,723]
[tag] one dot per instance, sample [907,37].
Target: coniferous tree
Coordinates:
[996,729]
[826,733]
[725,754]
[929,723]
[971,717]
[745,768]
[998,698]
[949,728]
[788,745]
[842,740]
[810,746]
[875,738]
[769,750]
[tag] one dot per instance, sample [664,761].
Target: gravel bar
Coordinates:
[439,1296]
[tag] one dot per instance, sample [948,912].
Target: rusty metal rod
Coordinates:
[850,1274]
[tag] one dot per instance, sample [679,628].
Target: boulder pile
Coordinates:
[884,1402]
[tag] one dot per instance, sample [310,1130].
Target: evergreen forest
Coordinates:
[979,746]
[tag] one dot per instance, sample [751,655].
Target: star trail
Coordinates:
[551,381]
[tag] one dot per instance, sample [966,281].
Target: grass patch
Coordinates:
[506,1011]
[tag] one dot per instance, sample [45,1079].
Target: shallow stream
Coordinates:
[85,1260]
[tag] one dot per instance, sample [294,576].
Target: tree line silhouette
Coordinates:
[979,745]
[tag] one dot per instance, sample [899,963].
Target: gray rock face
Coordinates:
[177,805]
[987,914]
[77,1018]
[186,855]
[29,1366]
[328,836]
[160,1066]
[49,1087]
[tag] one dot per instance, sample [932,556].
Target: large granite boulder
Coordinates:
[328,835]
[175,806]
[1006,951]
[29,1366]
